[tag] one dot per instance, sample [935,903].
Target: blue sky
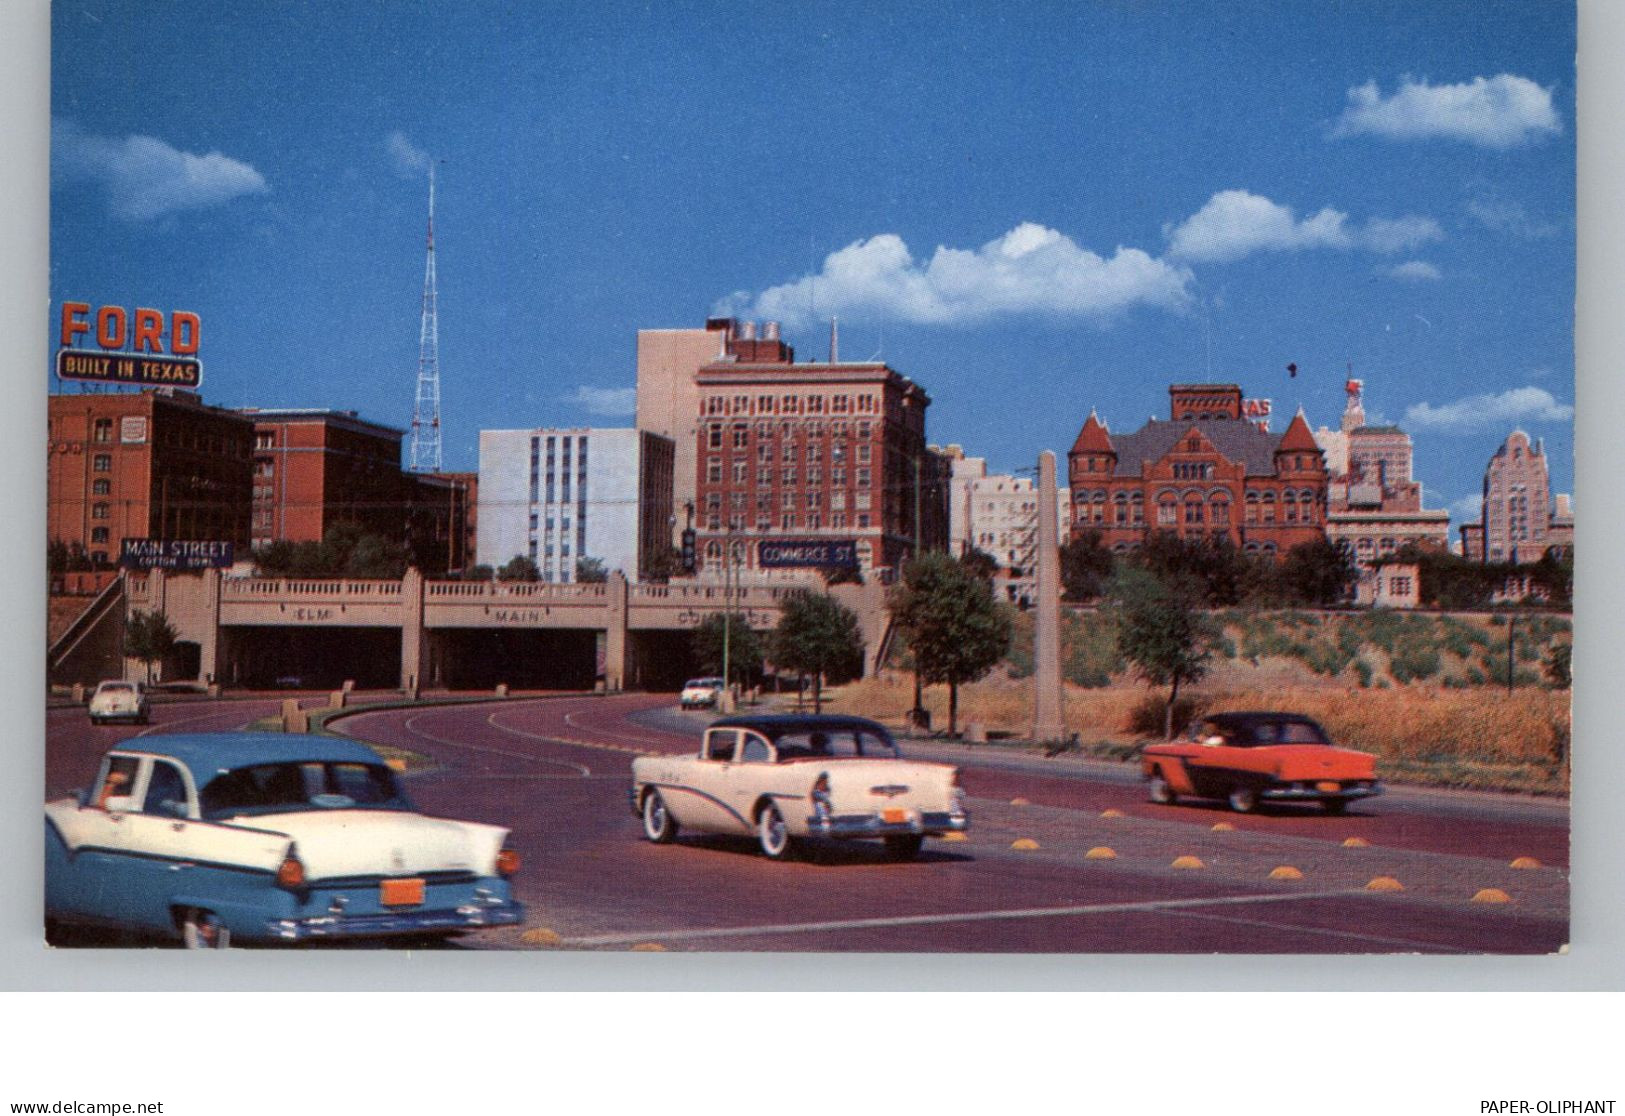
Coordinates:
[1031,210]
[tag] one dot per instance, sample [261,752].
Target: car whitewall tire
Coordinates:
[658,824]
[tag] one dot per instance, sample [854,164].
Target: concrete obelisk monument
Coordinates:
[1047,720]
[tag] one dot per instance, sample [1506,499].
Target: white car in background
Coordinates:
[116,700]
[702,693]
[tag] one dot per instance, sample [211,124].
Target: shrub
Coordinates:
[1412,663]
[1363,669]
[1148,716]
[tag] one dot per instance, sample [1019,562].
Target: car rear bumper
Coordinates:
[328,927]
[1312,792]
[929,824]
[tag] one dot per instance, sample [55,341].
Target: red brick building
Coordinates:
[153,465]
[317,468]
[831,451]
[1207,472]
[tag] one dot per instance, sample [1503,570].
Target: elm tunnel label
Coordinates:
[787,553]
[146,369]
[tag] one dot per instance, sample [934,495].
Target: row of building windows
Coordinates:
[788,521]
[787,477]
[765,431]
[791,404]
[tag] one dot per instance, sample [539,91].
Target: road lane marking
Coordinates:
[1374,939]
[410,725]
[1150,905]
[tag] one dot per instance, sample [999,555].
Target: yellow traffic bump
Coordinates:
[541,936]
[1285,872]
[1188,862]
[1223,827]
[1024,844]
[1385,883]
[648,947]
[1526,862]
[1492,895]
[954,837]
[1111,813]
[1019,802]
[1100,852]
[1356,843]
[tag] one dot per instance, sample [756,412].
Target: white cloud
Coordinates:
[1414,270]
[1499,112]
[145,177]
[1510,218]
[1236,223]
[1519,404]
[1030,269]
[1468,509]
[604,401]
[408,158]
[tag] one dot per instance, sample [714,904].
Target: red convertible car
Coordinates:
[1248,758]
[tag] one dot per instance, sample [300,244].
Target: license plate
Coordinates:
[401,893]
[893,817]
[1329,787]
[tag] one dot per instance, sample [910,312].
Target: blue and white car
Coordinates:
[216,838]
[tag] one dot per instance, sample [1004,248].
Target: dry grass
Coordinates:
[1482,737]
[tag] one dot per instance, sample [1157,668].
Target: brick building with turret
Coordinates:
[1207,472]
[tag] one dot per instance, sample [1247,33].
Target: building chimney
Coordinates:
[747,331]
[770,331]
[835,341]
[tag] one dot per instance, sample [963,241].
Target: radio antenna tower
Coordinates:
[426,410]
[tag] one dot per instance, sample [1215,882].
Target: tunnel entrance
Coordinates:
[311,658]
[659,661]
[525,659]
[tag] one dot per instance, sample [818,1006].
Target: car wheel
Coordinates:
[1160,792]
[772,835]
[1243,800]
[202,929]
[658,824]
[904,846]
[1334,806]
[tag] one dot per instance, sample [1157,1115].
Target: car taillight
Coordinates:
[820,793]
[290,873]
[956,794]
[507,863]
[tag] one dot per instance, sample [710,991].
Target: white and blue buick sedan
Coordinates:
[216,838]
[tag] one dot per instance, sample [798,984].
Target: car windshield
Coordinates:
[280,788]
[1262,733]
[702,683]
[114,688]
[837,744]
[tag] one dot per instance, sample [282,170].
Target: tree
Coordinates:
[956,629]
[346,550]
[817,636]
[1086,567]
[1559,666]
[980,563]
[591,571]
[841,575]
[1318,573]
[744,647]
[479,572]
[662,562]
[1162,634]
[149,637]
[1554,573]
[520,567]
[1211,569]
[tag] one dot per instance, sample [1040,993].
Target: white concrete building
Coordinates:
[998,514]
[560,495]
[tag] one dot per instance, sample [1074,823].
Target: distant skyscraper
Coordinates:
[1518,522]
[426,410]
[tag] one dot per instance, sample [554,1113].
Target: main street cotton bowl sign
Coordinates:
[142,347]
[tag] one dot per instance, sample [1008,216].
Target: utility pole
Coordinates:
[918,717]
[726,701]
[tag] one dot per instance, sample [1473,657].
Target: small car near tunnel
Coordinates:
[215,838]
[701,693]
[787,779]
[116,700]
[1251,758]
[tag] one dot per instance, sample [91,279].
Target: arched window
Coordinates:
[1219,512]
[1268,504]
[1137,507]
[1120,509]
[1289,506]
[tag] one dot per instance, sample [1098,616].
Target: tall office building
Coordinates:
[557,496]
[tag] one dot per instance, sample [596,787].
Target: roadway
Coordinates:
[556,771]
